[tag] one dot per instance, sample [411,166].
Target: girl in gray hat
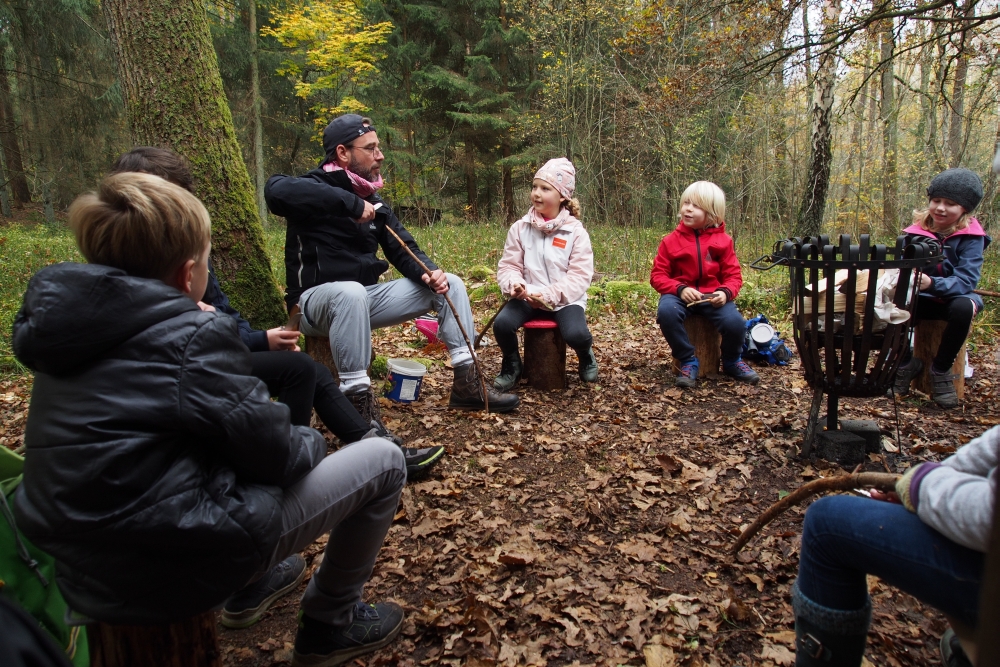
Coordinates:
[946,290]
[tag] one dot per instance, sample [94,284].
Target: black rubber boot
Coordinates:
[588,365]
[510,373]
[826,637]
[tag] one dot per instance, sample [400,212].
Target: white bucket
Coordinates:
[761,334]
[406,377]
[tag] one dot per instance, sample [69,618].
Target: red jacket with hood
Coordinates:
[704,259]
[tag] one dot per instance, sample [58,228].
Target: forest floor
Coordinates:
[592,526]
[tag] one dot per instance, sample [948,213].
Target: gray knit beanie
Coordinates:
[960,185]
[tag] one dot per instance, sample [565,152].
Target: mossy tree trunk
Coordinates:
[174,99]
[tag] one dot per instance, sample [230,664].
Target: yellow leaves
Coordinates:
[331,49]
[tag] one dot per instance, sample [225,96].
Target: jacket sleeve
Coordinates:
[396,255]
[965,274]
[661,276]
[957,497]
[731,276]
[252,434]
[574,284]
[511,266]
[303,197]
[255,339]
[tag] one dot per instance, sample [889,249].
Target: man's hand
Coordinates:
[718,299]
[519,291]
[368,215]
[437,281]
[206,307]
[690,295]
[280,339]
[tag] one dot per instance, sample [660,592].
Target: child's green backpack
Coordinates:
[27,575]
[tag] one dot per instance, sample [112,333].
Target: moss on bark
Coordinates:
[174,99]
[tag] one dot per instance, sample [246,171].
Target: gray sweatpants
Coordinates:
[352,495]
[348,311]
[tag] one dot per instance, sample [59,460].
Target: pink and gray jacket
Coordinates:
[958,274]
[558,265]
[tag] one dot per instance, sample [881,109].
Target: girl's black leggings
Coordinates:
[958,313]
[572,321]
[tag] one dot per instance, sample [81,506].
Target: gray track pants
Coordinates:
[348,311]
[352,495]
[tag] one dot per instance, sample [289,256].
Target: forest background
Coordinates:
[811,115]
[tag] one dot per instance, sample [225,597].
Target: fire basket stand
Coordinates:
[843,347]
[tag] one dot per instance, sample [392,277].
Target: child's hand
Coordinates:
[536,301]
[925,282]
[690,295]
[206,307]
[518,291]
[718,299]
[280,339]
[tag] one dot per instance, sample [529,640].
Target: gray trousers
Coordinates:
[348,311]
[352,495]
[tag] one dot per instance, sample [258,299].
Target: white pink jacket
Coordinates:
[558,265]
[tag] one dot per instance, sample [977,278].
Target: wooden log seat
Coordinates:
[707,343]
[544,355]
[926,339]
[190,642]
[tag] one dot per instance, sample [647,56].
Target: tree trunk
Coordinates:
[174,98]
[810,218]
[8,139]
[258,128]
[890,196]
[471,186]
[955,144]
[4,190]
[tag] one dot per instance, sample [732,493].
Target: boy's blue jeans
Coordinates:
[672,312]
[845,538]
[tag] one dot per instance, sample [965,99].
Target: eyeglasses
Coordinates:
[369,149]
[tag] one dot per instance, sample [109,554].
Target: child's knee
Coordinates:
[670,311]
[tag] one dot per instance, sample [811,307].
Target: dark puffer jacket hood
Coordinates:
[154,463]
[74,314]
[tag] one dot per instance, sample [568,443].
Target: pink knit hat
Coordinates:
[561,174]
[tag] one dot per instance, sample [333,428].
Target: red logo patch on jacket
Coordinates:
[559,243]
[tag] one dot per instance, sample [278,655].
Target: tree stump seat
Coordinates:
[707,343]
[189,642]
[926,339]
[544,355]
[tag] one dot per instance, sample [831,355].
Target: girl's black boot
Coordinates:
[826,637]
[510,372]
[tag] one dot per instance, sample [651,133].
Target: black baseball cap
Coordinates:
[342,130]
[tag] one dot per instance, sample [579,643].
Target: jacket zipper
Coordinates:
[299,239]
[701,273]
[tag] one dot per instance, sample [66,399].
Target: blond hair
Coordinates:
[140,223]
[710,198]
[573,206]
[923,219]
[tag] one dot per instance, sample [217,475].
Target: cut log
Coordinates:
[926,339]
[544,355]
[318,347]
[191,642]
[707,343]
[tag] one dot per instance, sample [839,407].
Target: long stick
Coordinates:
[986,292]
[454,311]
[882,481]
[482,333]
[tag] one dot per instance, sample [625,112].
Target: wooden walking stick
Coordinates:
[882,481]
[482,333]
[454,311]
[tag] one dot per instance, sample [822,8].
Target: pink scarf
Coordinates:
[547,226]
[362,186]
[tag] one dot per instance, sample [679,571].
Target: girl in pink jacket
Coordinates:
[546,268]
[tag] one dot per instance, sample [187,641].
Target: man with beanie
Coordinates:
[947,290]
[333,271]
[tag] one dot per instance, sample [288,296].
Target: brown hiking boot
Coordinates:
[467,394]
[366,403]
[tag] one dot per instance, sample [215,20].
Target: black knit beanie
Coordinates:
[960,185]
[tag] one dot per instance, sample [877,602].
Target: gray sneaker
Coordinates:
[943,391]
[247,606]
[905,375]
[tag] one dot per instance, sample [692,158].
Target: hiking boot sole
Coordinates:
[246,618]
[343,655]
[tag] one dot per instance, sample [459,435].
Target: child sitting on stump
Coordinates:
[159,474]
[946,290]
[546,268]
[696,271]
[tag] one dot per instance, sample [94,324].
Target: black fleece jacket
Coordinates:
[323,244]
[155,463]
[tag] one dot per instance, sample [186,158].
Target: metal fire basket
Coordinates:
[834,319]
